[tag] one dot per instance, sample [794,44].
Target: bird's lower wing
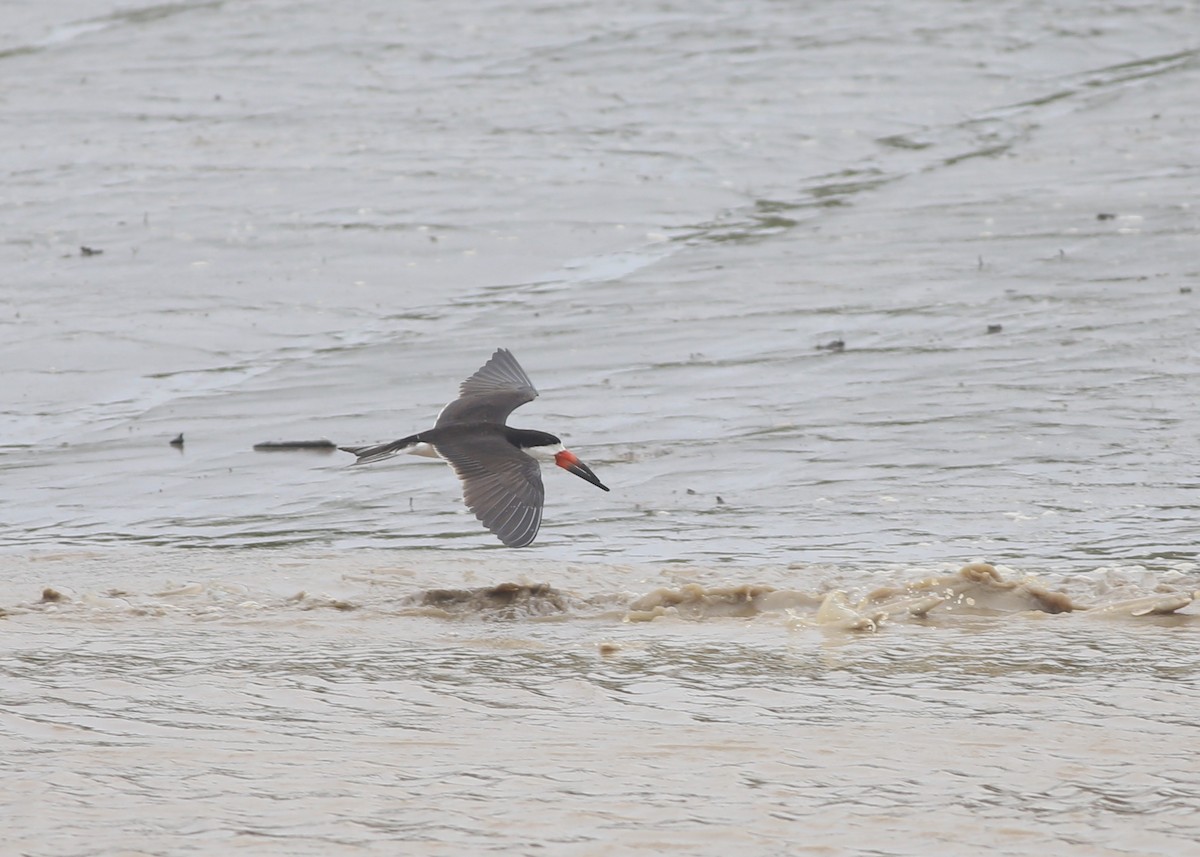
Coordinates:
[501,485]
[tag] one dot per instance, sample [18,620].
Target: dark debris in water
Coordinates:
[52,596]
[296,446]
[507,599]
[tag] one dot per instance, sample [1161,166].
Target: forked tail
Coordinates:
[368,454]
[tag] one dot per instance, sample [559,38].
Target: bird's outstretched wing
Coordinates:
[491,394]
[501,485]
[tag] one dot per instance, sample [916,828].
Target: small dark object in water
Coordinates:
[50,596]
[501,601]
[720,501]
[1104,215]
[833,345]
[295,445]
[1185,290]
[690,491]
[178,441]
[995,328]
[89,251]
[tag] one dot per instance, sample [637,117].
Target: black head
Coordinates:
[526,438]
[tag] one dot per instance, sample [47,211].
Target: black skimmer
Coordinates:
[498,465]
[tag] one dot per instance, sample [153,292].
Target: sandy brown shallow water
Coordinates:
[307,703]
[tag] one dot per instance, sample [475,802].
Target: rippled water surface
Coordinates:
[638,709]
[837,298]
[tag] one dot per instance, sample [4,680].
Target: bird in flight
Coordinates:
[498,464]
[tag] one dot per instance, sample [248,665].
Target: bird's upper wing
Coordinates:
[491,394]
[501,485]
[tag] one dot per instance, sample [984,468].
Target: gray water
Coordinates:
[837,298]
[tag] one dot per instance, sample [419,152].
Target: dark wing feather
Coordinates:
[491,394]
[501,485]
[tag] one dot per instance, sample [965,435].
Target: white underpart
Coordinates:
[422,449]
[544,453]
